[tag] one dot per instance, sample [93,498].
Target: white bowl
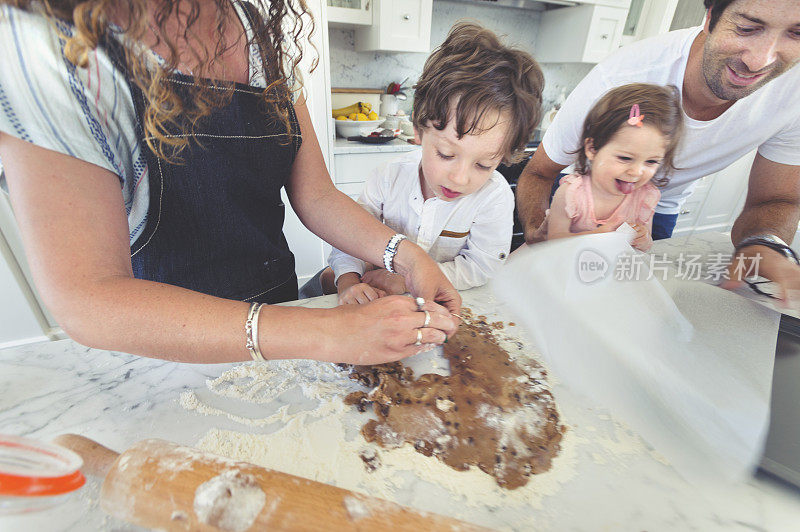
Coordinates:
[354,128]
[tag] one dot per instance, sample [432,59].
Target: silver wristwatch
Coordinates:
[771,241]
[391,251]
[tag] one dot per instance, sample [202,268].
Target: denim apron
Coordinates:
[215,220]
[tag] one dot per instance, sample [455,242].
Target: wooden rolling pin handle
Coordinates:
[97,459]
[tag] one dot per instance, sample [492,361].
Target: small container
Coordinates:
[406,127]
[388,104]
[354,128]
[392,122]
[35,476]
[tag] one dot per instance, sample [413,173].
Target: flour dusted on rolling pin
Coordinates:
[230,501]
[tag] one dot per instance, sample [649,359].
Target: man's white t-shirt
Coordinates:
[768,119]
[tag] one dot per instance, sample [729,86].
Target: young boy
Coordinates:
[475,106]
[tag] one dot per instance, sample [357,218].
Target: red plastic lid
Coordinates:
[29,468]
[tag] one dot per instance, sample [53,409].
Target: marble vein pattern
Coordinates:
[118,399]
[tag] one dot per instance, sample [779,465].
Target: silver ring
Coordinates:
[420,302]
[427,318]
[419,337]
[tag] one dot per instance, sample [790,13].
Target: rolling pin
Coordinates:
[160,484]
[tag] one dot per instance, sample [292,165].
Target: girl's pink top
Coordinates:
[637,207]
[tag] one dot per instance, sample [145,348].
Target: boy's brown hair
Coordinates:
[661,107]
[475,71]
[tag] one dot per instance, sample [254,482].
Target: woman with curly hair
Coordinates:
[145,145]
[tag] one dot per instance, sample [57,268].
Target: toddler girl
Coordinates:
[629,136]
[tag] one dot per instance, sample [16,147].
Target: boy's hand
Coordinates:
[643,239]
[359,293]
[390,283]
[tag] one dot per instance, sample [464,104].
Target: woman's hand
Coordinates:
[424,278]
[384,330]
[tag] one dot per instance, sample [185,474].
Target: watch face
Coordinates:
[764,287]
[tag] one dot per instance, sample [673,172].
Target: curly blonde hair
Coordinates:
[279,28]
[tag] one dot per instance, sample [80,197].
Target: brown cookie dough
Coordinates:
[490,412]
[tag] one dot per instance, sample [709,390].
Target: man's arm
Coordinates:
[773,201]
[533,191]
[772,207]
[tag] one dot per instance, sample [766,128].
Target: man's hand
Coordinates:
[533,193]
[768,263]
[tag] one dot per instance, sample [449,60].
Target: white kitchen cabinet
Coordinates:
[23,318]
[612,3]
[397,26]
[717,201]
[581,34]
[356,167]
[648,18]
[19,323]
[349,13]
[308,248]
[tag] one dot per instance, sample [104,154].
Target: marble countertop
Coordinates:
[343,146]
[117,399]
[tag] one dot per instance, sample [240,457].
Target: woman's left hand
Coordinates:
[424,278]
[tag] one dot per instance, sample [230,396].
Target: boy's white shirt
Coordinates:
[393,194]
[768,119]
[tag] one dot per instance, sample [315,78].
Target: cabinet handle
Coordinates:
[406,17]
[684,211]
[604,36]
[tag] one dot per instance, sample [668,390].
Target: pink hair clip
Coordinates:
[635,119]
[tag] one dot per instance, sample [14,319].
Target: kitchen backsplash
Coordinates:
[377,69]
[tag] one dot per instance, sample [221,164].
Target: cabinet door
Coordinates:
[605,33]
[349,13]
[21,317]
[18,321]
[398,26]
[726,195]
[356,167]
[613,3]
[579,34]
[306,246]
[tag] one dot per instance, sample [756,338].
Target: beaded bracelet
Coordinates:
[251,331]
[391,251]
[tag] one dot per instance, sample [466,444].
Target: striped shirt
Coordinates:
[86,113]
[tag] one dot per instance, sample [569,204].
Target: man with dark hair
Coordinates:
[739,92]
[715,9]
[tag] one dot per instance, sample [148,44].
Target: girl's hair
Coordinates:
[475,71]
[661,107]
[276,35]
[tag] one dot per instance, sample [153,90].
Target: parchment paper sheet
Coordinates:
[686,365]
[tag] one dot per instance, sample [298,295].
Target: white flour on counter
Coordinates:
[322,443]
